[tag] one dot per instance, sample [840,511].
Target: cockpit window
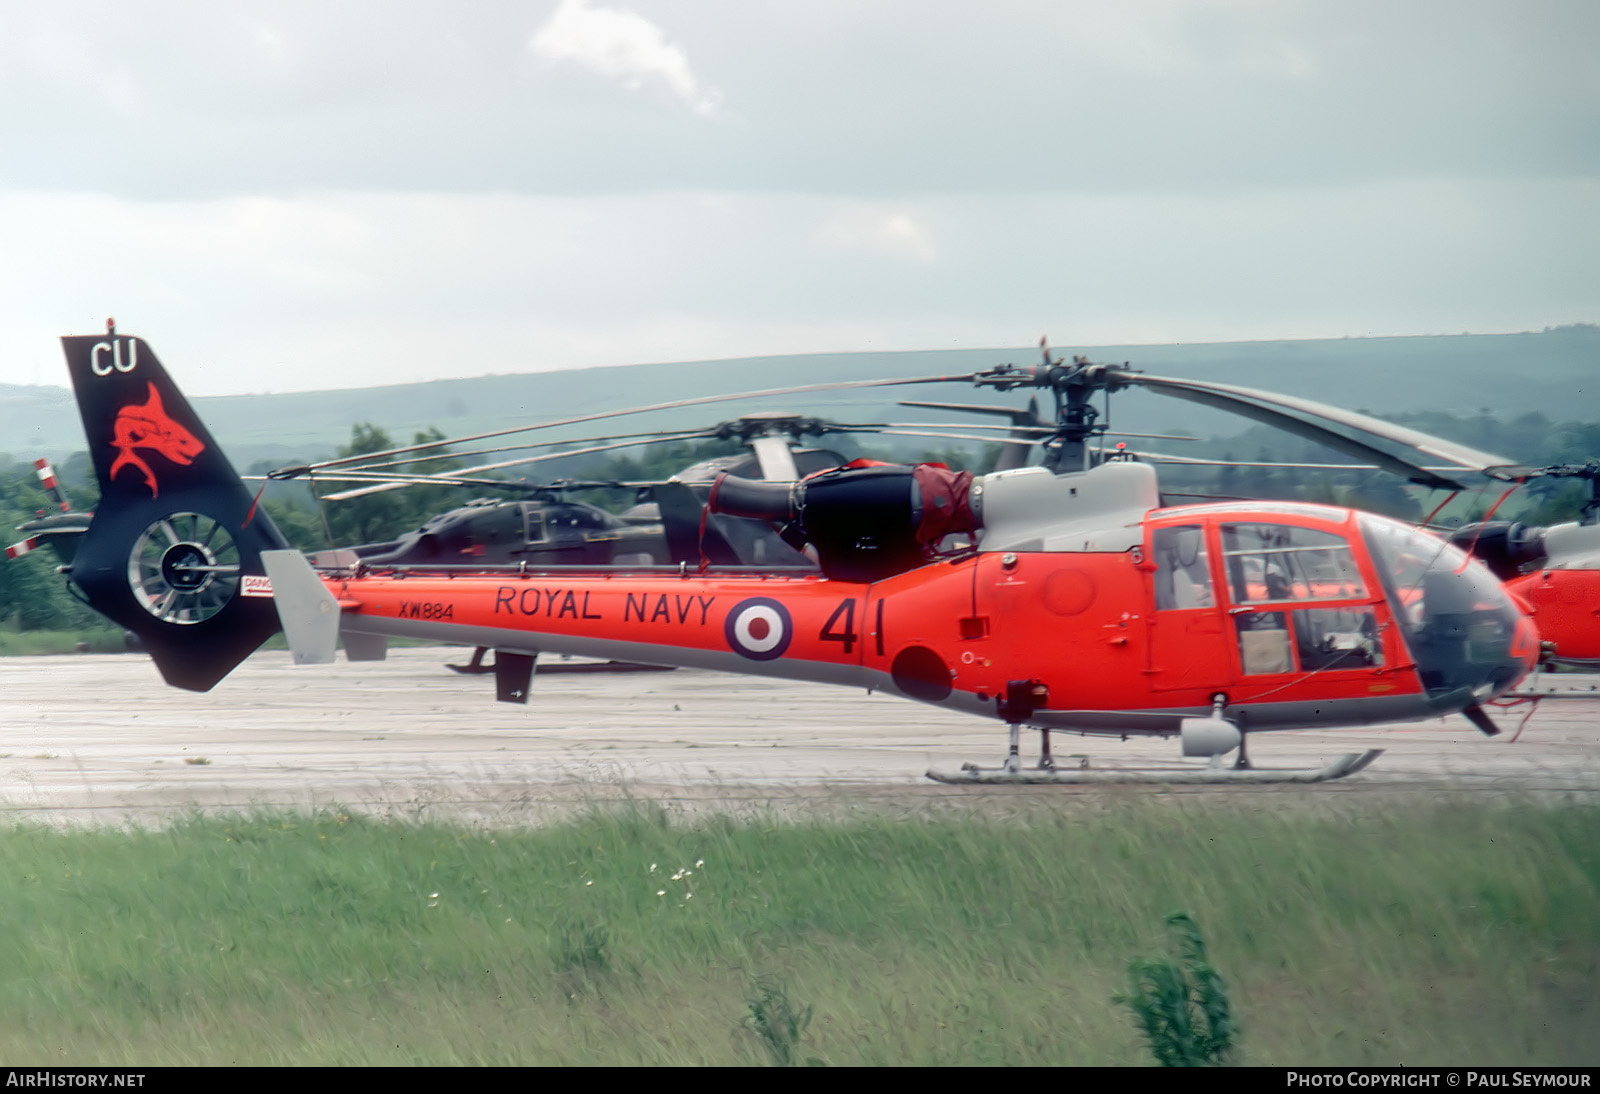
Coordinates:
[1277,562]
[1337,638]
[1183,574]
[1317,639]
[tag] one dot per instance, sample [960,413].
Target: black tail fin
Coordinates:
[176,538]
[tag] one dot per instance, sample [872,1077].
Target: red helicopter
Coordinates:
[1062,598]
[1555,570]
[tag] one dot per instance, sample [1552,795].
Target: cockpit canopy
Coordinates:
[1457,619]
[1309,589]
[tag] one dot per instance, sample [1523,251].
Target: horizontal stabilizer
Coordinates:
[306,609]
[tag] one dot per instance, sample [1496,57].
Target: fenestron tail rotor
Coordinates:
[184,568]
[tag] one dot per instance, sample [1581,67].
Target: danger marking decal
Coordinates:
[253,585]
[759,628]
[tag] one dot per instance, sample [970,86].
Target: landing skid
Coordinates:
[1348,764]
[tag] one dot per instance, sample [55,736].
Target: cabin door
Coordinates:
[1189,643]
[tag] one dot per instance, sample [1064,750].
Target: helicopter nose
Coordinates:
[1472,637]
[1469,639]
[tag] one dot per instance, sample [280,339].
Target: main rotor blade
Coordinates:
[1147,436]
[1029,416]
[524,485]
[1198,461]
[663,435]
[703,400]
[401,479]
[1295,416]
[1163,457]
[1035,424]
[396,482]
[1038,430]
[1025,442]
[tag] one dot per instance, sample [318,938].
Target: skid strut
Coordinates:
[1022,698]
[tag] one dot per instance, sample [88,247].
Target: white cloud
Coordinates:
[622,46]
[876,230]
[344,289]
[298,195]
[77,69]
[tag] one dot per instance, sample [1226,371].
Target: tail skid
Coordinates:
[177,536]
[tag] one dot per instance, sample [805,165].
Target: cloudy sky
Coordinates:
[297,195]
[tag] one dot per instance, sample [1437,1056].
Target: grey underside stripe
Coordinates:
[1253,718]
[648,653]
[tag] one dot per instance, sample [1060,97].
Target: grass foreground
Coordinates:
[1423,935]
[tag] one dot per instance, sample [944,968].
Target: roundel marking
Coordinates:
[759,628]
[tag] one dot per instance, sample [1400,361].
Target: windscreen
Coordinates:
[1457,619]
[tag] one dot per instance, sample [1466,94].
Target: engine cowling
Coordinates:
[1502,545]
[866,521]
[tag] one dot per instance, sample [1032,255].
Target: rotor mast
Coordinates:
[1074,386]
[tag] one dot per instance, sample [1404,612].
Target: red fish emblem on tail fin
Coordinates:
[147,426]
